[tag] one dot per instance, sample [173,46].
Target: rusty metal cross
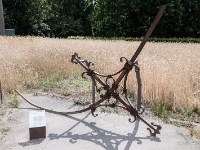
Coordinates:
[111,90]
[111,86]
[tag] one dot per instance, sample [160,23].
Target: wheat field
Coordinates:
[170,72]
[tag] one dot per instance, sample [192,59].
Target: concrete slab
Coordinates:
[83,131]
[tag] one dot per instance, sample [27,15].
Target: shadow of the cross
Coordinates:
[104,138]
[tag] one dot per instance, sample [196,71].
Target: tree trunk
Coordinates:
[2,27]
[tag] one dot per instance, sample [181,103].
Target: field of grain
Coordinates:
[170,72]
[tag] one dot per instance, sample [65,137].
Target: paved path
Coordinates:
[85,132]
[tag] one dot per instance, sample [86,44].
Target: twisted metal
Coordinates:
[111,90]
[110,85]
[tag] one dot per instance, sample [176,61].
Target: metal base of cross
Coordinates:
[111,86]
[111,89]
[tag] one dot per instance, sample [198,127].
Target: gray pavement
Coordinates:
[85,132]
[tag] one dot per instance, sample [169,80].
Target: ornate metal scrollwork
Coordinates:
[155,131]
[111,88]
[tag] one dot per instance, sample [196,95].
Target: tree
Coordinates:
[2,27]
[68,17]
[104,18]
[132,18]
[26,17]
[191,18]
[61,19]
[39,17]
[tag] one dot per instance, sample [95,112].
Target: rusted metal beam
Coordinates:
[148,34]
[1,95]
[112,90]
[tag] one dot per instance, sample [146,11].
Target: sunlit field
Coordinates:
[170,72]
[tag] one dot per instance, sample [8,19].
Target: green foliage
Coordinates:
[192,132]
[25,85]
[161,111]
[15,101]
[67,17]
[1,113]
[132,18]
[6,129]
[116,109]
[48,83]
[64,86]
[36,17]
[81,101]
[190,114]
[100,18]
[26,17]
[106,109]
[65,93]
[153,39]
[54,77]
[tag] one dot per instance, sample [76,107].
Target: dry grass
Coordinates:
[197,132]
[170,72]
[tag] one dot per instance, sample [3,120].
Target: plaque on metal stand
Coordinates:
[37,124]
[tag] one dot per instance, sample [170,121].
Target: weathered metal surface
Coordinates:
[52,111]
[111,87]
[139,92]
[1,96]
[36,133]
[149,32]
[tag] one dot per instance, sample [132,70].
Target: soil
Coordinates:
[107,131]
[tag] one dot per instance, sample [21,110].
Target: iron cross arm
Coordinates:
[129,64]
[111,90]
[148,34]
